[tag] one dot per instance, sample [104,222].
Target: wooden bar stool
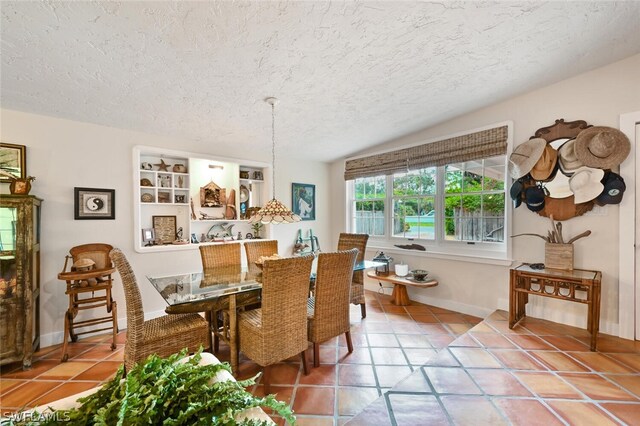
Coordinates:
[90,273]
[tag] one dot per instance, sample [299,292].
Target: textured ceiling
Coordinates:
[349,75]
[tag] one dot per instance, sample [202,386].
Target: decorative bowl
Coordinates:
[419,274]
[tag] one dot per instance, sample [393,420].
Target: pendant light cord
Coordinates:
[273,149]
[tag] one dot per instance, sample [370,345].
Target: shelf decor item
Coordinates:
[274,211]
[94,203]
[13,160]
[165,229]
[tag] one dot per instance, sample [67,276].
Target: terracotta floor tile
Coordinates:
[498,382]
[378,327]
[103,370]
[628,413]
[475,358]
[356,375]
[284,374]
[37,368]
[413,341]
[97,338]
[248,369]
[566,343]
[527,412]
[73,350]
[547,385]
[450,318]
[63,391]
[314,400]
[437,310]
[66,370]
[600,362]
[8,384]
[388,356]
[393,309]
[498,316]
[629,382]
[352,400]
[97,353]
[614,344]
[517,360]
[416,382]
[530,342]
[595,387]
[23,395]
[409,410]
[471,319]
[357,340]
[458,329]
[282,393]
[43,351]
[433,329]
[418,309]
[400,318]
[581,413]
[383,340]
[451,380]
[630,360]
[121,338]
[323,375]
[443,359]
[420,356]
[117,355]
[468,410]
[328,354]
[376,414]
[503,327]
[406,328]
[314,421]
[390,375]
[493,340]
[424,318]
[358,356]
[483,327]
[557,361]
[465,341]
[440,341]
[333,342]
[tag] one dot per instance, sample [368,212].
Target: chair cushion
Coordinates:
[160,328]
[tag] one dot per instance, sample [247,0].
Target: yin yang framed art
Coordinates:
[94,203]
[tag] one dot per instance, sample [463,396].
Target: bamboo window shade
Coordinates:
[472,146]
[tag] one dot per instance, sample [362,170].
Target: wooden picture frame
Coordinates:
[303,197]
[165,229]
[148,236]
[13,160]
[94,203]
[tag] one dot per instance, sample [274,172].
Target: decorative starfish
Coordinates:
[162,167]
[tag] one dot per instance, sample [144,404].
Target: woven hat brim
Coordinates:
[586,157]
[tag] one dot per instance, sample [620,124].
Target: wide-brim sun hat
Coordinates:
[546,164]
[614,188]
[602,147]
[525,156]
[567,159]
[559,187]
[586,184]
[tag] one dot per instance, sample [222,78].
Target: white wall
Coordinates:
[598,97]
[64,154]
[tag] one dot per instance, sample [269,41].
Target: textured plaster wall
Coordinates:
[63,154]
[598,97]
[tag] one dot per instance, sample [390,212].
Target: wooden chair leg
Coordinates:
[349,343]
[305,365]
[114,315]
[266,379]
[316,354]
[363,310]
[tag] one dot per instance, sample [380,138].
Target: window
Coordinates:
[448,195]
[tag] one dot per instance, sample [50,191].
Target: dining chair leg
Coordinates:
[349,342]
[305,365]
[213,321]
[266,379]
[363,310]
[316,354]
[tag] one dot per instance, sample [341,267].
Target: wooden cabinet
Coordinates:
[20,278]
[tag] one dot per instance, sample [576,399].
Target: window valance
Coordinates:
[472,146]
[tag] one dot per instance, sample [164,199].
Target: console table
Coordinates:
[400,295]
[578,285]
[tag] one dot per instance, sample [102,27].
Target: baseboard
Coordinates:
[57,337]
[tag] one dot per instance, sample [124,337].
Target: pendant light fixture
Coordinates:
[274,211]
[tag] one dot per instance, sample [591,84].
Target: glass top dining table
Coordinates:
[219,289]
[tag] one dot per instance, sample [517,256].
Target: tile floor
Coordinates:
[410,365]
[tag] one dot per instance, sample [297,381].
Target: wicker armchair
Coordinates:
[256,248]
[165,335]
[328,310]
[358,241]
[217,258]
[278,330]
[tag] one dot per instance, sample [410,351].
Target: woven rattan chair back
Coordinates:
[98,252]
[359,241]
[256,248]
[225,256]
[135,310]
[331,301]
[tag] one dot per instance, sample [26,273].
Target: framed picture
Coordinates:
[165,229]
[180,198]
[94,203]
[257,175]
[148,236]
[13,160]
[304,200]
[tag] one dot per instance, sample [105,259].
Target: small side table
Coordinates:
[558,284]
[400,295]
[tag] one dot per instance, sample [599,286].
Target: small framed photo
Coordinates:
[13,160]
[94,203]
[148,236]
[303,196]
[257,175]
[165,228]
[180,198]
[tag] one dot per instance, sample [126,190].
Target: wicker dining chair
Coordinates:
[165,335]
[358,241]
[278,330]
[216,257]
[256,248]
[328,310]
